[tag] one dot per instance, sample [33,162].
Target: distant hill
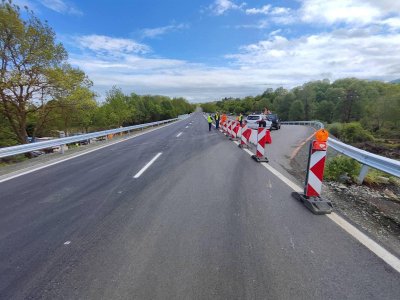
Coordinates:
[395,81]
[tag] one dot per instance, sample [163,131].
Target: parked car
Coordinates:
[276,122]
[253,121]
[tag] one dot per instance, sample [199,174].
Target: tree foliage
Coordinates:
[123,110]
[374,104]
[34,75]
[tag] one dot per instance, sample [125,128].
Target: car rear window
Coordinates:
[253,117]
[271,117]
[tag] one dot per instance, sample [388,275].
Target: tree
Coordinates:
[296,112]
[350,106]
[73,103]
[28,54]
[324,111]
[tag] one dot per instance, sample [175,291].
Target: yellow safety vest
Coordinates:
[209,119]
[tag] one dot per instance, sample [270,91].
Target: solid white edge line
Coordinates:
[373,246]
[138,174]
[381,252]
[76,155]
[179,134]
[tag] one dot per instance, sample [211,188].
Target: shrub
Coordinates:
[355,133]
[376,177]
[335,129]
[341,165]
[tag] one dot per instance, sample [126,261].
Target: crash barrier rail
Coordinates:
[26,148]
[367,159]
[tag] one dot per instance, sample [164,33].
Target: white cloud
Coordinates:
[393,23]
[268,10]
[219,7]
[61,6]
[330,12]
[343,53]
[261,24]
[348,12]
[275,32]
[354,12]
[155,32]
[111,45]
[280,11]
[277,61]
[263,10]
[279,15]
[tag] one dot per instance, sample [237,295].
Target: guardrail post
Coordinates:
[62,135]
[363,173]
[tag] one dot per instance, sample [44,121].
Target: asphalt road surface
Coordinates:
[203,221]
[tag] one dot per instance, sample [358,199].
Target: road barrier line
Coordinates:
[138,174]
[373,246]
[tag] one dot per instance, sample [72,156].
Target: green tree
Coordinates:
[74,103]
[29,55]
[325,111]
[296,112]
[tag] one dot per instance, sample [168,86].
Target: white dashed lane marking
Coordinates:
[138,174]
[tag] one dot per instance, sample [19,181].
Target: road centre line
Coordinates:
[373,246]
[187,127]
[179,134]
[28,170]
[138,174]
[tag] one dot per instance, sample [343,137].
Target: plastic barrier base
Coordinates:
[234,138]
[317,205]
[243,146]
[259,159]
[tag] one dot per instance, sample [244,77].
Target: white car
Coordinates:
[253,121]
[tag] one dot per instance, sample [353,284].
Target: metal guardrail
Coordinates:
[367,159]
[20,149]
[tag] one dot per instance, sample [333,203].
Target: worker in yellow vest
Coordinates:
[217,118]
[209,120]
[241,119]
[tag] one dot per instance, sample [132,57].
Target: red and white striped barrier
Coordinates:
[263,135]
[229,129]
[316,169]
[235,131]
[221,126]
[245,134]
[315,173]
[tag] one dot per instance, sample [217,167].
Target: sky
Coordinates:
[205,50]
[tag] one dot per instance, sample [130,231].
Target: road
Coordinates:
[203,221]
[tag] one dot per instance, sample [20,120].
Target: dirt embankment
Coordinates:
[389,148]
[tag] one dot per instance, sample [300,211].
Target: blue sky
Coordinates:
[208,49]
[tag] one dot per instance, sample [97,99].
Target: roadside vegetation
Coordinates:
[365,114]
[41,94]
[362,113]
[359,110]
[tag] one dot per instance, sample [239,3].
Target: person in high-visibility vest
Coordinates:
[209,120]
[241,119]
[217,117]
